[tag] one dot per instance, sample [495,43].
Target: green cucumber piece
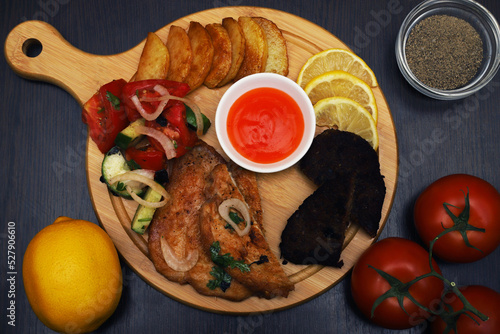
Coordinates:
[114,164]
[129,134]
[143,214]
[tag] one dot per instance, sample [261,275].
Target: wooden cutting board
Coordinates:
[81,74]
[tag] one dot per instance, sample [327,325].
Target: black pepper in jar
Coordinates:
[444,52]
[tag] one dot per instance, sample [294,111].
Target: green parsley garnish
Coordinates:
[222,279]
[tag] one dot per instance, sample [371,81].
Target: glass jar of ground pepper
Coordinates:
[444,52]
[448,49]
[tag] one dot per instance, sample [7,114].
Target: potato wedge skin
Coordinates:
[237,48]
[255,48]
[154,61]
[277,59]
[222,54]
[203,55]
[181,54]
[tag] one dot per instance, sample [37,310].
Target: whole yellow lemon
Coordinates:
[72,276]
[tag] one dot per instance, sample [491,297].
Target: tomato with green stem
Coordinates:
[391,284]
[467,205]
[484,299]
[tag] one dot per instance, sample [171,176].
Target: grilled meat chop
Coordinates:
[197,179]
[264,279]
[178,222]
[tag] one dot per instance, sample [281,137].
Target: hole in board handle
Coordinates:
[32,47]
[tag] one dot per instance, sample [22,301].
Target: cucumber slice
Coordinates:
[114,164]
[143,214]
[129,134]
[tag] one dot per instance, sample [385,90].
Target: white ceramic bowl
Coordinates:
[272,81]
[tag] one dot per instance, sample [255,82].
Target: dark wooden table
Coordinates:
[42,145]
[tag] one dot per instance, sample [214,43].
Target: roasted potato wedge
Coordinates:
[203,55]
[179,47]
[255,48]
[277,54]
[222,54]
[154,61]
[237,48]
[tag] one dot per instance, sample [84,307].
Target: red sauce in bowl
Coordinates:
[265,125]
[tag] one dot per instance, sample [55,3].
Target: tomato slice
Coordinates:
[105,115]
[148,157]
[175,127]
[145,88]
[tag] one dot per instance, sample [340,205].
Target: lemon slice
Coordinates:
[347,115]
[336,59]
[343,84]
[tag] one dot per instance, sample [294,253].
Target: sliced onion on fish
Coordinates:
[242,208]
[173,261]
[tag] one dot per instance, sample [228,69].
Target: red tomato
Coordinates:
[145,88]
[430,217]
[405,260]
[105,115]
[176,129]
[485,300]
[147,158]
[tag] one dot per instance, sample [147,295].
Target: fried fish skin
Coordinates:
[255,48]
[266,279]
[203,55]
[222,54]
[179,47]
[154,61]
[277,59]
[237,48]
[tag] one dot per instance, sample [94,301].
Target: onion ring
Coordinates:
[173,261]
[132,176]
[239,205]
[163,139]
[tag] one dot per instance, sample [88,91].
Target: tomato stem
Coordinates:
[400,290]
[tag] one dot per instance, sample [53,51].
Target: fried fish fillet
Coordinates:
[277,59]
[255,48]
[237,48]
[246,181]
[203,55]
[181,54]
[178,223]
[222,54]
[265,278]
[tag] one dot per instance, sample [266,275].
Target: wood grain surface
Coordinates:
[81,74]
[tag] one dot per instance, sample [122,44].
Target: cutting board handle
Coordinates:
[78,72]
